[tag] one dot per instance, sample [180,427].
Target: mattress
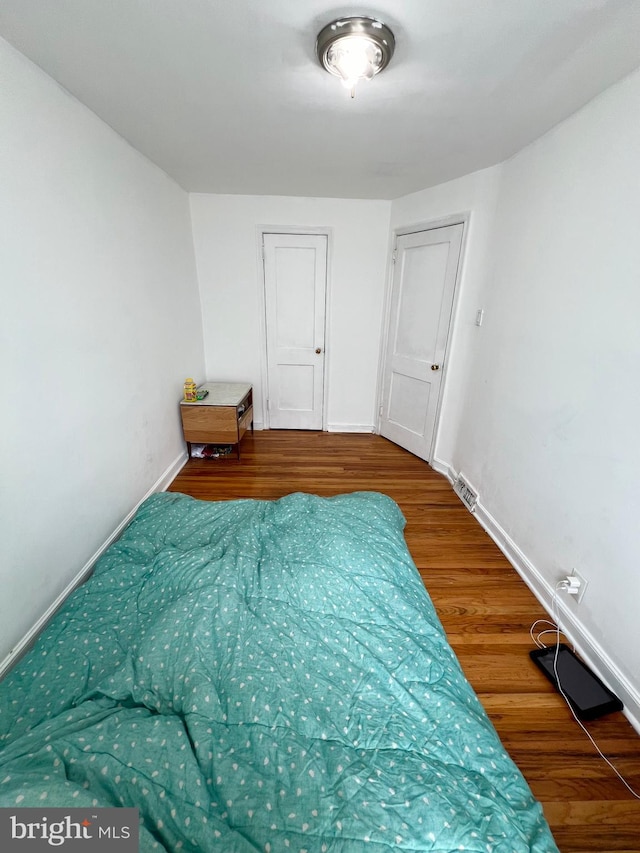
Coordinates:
[263,676]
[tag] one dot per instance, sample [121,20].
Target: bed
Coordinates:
[263,676]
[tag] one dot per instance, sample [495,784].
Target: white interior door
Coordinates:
[295,280]
[426,266]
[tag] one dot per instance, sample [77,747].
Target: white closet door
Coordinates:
[295,281]
[423,287]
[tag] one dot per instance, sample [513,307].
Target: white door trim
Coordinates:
[261,230]
[443,222]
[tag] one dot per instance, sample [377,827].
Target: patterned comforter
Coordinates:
[263,676]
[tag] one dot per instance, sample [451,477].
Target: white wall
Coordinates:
[100,324]
[550,429]
[230,276]
[543,405]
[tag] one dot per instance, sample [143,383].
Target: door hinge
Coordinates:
[394,256]
[262,251]
[380,410]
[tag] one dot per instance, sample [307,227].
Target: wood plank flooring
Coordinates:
[486,610]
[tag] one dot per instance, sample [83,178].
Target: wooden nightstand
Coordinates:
[222,417]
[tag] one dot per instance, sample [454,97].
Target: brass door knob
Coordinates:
[435,367]
[318,350]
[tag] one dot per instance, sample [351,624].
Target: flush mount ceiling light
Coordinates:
[355,49]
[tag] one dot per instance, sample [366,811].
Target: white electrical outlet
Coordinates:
[582,585]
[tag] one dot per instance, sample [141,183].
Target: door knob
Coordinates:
[318,350]
[435,367]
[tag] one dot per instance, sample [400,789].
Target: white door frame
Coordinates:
[454,219]
[261,230]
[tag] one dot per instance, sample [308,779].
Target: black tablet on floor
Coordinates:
[589,697]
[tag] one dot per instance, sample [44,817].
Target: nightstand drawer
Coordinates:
[210,424]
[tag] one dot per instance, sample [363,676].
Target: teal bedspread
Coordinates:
[263,676]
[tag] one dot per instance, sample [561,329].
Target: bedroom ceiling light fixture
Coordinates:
[355,49]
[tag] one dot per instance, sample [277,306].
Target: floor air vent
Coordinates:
[466,494]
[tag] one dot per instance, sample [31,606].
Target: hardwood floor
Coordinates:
[486,610]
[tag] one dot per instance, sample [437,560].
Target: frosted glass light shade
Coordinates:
[354,58]
[355,49]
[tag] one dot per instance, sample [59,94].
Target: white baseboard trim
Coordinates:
[351,428]
[442,468]
[161,485]
[570,623]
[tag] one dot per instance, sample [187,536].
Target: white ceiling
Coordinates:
[227,96]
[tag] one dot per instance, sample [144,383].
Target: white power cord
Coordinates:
[555,629]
